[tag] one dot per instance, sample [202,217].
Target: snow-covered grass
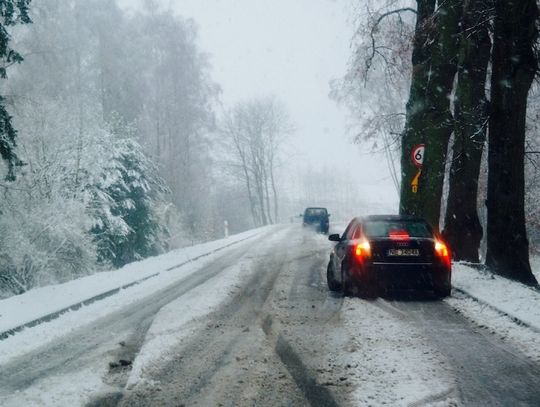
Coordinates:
[391,362]
[37,303]
[491,297]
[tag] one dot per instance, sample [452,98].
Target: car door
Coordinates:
[342,248]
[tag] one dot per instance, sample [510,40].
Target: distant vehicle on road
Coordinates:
[384,253]
[317,218]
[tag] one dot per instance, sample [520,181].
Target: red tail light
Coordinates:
[362,250]
[398,235]
[442,251]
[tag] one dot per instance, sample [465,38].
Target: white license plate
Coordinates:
[403,252]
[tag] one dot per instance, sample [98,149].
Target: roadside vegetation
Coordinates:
[110,142]
[458,78]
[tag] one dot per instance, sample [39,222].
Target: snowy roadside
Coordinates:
[490,297]
[391,362]
[20,309]
[36,303]
[174,323]
[510,297]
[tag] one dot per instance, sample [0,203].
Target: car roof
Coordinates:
[392,218]
[315,207]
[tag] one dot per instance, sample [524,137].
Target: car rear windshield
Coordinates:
[315,212]
[383,228]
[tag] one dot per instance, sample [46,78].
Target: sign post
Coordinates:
[417,157]
[414,182]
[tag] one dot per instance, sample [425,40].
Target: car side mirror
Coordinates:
[329,214]
[334,238]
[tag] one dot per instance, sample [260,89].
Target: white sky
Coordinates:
[290,49]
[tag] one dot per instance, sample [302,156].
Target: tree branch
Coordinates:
[369,60]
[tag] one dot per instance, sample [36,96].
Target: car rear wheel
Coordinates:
[333,285]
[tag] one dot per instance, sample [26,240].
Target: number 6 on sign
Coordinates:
[417,155]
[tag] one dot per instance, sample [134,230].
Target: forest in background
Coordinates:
[113,114]
[116,145]
[110,157]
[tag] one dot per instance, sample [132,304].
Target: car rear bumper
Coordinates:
[317,226]
[396,277]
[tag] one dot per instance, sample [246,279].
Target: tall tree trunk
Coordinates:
[429,120]
[267,196]
[274,191]
[514,68]
[260,195]
[462,228]
[80,118]
[250,193]
[102,81]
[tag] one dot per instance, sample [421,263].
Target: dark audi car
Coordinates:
[317,218]
[379,254]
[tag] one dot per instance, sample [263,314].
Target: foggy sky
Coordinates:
[291,49]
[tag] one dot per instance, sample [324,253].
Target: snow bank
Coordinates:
[515,299]
[509,302]
[36,303]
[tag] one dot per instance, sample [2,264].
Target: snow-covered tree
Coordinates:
[125,206]
[253,133]
[11,13]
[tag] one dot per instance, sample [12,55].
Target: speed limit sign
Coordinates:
[417,155]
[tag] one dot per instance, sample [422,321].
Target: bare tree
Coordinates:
[380,71]
[254,133]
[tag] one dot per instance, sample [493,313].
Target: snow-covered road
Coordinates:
[254,324]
